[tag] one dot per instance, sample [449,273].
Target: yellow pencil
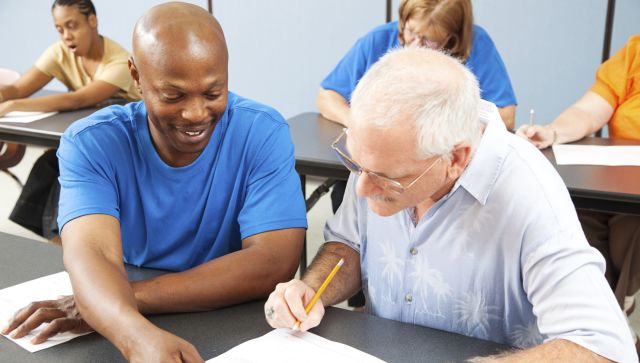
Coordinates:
[320,291]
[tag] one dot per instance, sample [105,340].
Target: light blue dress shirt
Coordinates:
[501,257]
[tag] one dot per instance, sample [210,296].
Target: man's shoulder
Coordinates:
[103,122]
[244,110]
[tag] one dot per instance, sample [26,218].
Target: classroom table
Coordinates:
[215,332]
[601,188]
[44,132]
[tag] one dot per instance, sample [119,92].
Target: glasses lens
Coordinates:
[350,164]
[385,183]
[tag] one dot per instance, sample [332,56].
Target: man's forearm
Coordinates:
[245,275]
[104,296]
[559,350]
[345,283]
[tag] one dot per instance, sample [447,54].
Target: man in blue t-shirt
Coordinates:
[194,179]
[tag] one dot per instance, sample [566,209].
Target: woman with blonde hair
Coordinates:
[438,24]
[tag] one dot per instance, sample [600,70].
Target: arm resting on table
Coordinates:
[333,106]
[251,273]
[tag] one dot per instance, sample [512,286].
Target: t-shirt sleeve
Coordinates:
[345,76]
[344,225]
[612,76]
[274,197]
[50,60]
[571,299]
[487,65]
[87,184]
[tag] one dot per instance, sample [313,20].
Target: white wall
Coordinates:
[281,49]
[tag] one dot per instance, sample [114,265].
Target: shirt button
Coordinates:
[414,251]
[408,297]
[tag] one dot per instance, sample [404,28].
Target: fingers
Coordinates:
[42,315]
[23,314]
[57,326]
[286,304]
[189,354]
[314,317]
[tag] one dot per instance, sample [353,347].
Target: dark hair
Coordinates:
[85,6]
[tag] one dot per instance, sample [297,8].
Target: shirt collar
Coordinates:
[480,175]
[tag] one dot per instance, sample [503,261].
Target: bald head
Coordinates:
[178,30]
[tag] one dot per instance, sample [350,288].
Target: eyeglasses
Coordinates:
[377,179]
[410,37]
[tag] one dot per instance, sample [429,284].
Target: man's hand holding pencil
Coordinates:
[297,306]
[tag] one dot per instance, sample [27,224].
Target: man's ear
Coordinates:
[134,74]
[460,157]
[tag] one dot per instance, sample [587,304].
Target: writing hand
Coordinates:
[540,136]
[286,304]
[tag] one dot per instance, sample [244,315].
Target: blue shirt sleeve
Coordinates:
[274,197]
[345,76]
[487,65]
[364,53]
[87,184]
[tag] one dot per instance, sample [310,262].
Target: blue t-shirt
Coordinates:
[484,61]
[243,183]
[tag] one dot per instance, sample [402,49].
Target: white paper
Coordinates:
[628,155]
[288,346]
[45,288]
[23,117]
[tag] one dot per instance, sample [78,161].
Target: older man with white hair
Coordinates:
[449,221]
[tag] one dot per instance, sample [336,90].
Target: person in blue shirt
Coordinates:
[452,222]
[438,24]
[194,180]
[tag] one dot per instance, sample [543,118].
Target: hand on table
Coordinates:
[62,316]
[157,345]
[287,302]
[540,136]
[6,107]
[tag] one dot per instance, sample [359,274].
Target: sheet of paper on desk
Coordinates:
[287,346]
[597,155]
[25,117]
[45,288]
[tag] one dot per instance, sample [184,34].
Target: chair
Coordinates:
[10,154]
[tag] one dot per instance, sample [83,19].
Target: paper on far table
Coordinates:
[44,288]
[23,117]
[288,346]
[597,155]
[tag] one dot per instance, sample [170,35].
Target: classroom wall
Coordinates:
[281,49]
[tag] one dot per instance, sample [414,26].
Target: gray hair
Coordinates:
[427,87]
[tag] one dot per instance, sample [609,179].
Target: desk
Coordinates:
[215,332]
[600,188]
[613,189]
[45,132]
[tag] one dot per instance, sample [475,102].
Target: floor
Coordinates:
[322,210]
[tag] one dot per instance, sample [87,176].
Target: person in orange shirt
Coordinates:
[613,100]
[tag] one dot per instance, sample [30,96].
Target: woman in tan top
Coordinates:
[95,71]
[93,67]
